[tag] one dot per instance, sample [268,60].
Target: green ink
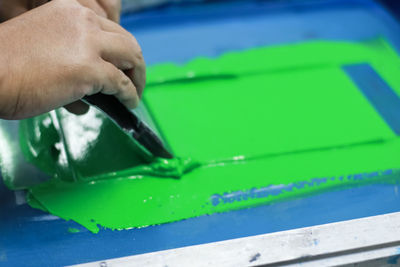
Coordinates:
[73,230]
[265,125]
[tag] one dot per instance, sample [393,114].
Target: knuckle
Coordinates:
[124,82]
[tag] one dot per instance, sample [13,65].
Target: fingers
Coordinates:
[112,8]
[115,82]
[125,53]
[125,71]
[77,107]
[121,50]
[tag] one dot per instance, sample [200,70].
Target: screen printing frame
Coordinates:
[372,241]
[28,235]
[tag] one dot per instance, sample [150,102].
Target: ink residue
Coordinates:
[264,125]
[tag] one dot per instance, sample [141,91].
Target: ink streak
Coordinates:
[274,190]
[255,257]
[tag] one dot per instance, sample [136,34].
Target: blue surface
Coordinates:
[31,237]
[210,30]
[378,92]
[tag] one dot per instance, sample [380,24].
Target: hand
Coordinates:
[59,52]
[106,8]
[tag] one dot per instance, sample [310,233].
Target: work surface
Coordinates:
[29,235]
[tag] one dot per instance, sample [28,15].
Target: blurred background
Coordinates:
[138,5]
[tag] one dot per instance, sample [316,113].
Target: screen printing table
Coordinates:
[360,224]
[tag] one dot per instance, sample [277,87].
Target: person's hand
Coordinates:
[61,51]
[107,8]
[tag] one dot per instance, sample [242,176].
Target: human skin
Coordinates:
[107,8]
[57,53]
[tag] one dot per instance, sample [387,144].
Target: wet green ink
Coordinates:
[264,125]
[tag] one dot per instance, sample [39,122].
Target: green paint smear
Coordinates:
[265,125]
